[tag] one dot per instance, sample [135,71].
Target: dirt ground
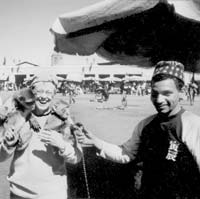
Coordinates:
[105,120]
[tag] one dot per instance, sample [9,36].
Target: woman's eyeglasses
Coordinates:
[40,92]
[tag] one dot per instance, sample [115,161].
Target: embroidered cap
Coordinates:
[172,68]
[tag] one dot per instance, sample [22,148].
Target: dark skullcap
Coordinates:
[172,68]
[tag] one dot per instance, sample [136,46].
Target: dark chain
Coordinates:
[85,176]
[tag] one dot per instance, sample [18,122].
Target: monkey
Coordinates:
[59,117]
[23,104]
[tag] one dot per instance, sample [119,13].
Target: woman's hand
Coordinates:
[11,137]
[52,138]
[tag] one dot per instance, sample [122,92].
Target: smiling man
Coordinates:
[38,169]
[167,83]
[166,144]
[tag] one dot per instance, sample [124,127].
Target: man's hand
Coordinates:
[11,137]
[84,137]
[52,138]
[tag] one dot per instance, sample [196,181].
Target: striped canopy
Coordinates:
[139,32]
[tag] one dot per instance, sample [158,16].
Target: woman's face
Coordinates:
[44,93]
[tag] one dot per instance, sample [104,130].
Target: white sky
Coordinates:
[25,24]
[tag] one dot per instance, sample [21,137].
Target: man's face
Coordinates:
[44,92]
[165,96]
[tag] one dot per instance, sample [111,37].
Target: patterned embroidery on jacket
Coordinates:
[172,150]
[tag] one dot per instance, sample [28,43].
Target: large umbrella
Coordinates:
[139,32]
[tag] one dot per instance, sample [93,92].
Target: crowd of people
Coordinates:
[38,133]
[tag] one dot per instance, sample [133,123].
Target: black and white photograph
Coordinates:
[100,99]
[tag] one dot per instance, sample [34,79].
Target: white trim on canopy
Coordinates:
[100,13]
[109,10]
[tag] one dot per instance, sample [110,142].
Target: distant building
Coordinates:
[77,67]
[56,59]
[16,73]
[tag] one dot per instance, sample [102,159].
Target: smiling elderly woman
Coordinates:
[38,170]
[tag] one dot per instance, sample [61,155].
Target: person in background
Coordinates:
[38,169]
[124,102]
[192,92]
[1,101]
[165,145]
